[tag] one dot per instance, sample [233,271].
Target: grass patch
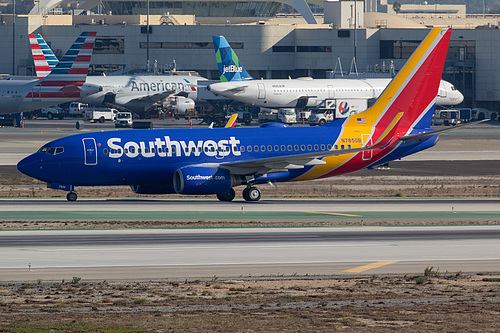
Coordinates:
[491,279]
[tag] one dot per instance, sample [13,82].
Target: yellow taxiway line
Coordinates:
[363,268]
[338,214]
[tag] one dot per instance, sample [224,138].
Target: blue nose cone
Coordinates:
[31,166]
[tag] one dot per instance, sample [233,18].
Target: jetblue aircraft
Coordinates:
[137,93]
[214,161]
[237,84]
[64,84]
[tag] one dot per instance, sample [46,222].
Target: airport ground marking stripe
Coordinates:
[363,268]
[338,214]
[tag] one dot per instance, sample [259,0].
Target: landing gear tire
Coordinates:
[251,194]
[229,196]
[71,196]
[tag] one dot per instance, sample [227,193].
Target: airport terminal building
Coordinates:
[271,47]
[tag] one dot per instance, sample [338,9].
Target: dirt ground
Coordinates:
[433,301]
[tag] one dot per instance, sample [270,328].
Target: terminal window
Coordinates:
[109,45]
[278,48]
[397,49]
[186,45]
[314,49]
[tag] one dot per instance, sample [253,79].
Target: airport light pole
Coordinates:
[14,37]
[147,38]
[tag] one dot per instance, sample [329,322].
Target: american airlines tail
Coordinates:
[230,68]
[45,60]
[67,79]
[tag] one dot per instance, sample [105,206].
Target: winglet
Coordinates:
[230,68]
[232,121]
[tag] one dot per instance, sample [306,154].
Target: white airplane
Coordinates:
[137,93]
[238,85]
[64,84]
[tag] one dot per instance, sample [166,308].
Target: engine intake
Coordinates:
[204,180]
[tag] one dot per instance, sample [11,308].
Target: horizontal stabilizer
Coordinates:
[434,132]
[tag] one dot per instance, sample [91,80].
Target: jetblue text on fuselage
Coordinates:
[232,69]
[166,147]
[157,86]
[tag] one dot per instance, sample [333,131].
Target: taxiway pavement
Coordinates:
[205,253]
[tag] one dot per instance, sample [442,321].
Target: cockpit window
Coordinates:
[51,150]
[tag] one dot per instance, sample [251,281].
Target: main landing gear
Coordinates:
[71,196]
[251,193]
[229,196]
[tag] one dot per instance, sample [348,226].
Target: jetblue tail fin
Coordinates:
[230,68]
[43,57]
[67,79]
[413,91]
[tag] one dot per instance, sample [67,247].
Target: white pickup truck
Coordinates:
[335,109]
[286,116]
[100,114]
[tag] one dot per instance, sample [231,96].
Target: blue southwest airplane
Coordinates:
[214,161]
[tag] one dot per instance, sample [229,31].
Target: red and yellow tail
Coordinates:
[414,89]
[406,104]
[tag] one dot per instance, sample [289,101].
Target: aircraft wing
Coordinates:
[155,97]
[296,161]
[299,161]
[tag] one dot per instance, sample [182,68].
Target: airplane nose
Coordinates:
[460,97]
[30,166]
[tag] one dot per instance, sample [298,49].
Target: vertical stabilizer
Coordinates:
[67,79]
[43,57]
[230,68]
[414,89]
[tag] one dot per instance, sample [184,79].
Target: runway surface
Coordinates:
[204,253]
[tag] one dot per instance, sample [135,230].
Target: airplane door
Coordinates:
[36,93]
[367,154]
[262,90]
[90,151]
[331,92]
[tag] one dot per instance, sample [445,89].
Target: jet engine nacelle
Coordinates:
[203,180]
[152,189]
[89,89]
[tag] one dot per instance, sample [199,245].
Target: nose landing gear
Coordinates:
[71,196]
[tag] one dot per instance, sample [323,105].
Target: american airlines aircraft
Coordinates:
[238,85]
[64,84]
[214,161]
[137,93]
